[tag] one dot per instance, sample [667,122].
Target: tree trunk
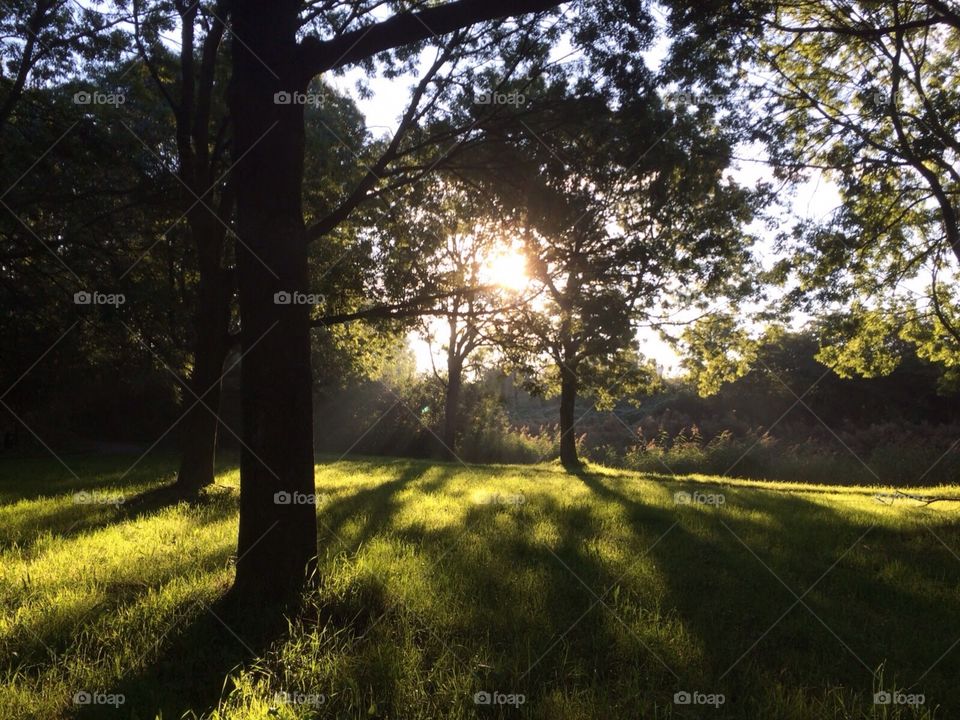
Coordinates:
[277,545]
[199,427]
[568,400]
[452,404]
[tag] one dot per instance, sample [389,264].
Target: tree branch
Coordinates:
[317,56]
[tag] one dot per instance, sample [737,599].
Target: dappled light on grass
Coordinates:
[592,595]
[94,597]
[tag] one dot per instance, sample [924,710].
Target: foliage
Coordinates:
[866,93]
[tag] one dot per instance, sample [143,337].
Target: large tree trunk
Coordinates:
[278,531]
[199,426]
[451,405]
[569,385]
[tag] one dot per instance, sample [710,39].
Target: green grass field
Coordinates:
[561,596]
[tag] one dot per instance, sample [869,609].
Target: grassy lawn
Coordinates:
[561,596]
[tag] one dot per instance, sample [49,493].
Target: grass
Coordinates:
[585,596]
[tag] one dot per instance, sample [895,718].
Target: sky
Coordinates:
[814,199]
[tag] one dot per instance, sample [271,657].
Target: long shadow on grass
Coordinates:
[517,614]
[35,478]
[566,612]
[195,662]
[730,569]
[199,657]
[376,505]
[556,598]
[36,636]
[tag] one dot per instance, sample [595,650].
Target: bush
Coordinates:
[869,456]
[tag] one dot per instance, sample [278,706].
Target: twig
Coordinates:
[925,499]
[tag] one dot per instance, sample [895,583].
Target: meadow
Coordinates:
[498,591]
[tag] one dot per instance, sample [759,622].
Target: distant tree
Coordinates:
[463,247]
[618,229]
[76,220]
[716,350]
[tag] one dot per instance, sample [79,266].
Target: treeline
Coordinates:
[790,417]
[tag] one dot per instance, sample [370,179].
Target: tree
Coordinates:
[73,221]
[866,93]
[460,248]
[277,542]
[618,232]
[42,40]
[196,104]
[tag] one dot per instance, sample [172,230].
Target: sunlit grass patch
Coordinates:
[441,587]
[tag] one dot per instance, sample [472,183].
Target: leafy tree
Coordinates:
[75,220]
[866,92]
[716,350]
[618,231]
[458,240]
[277,543]
[43,41]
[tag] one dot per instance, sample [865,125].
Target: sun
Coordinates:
[507,268]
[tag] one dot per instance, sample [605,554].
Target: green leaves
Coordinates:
[716,350]
[862,342]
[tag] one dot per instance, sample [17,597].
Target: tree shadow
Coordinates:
[89,511]
[377,505]
[734,573]
[605,598]
[192,670]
